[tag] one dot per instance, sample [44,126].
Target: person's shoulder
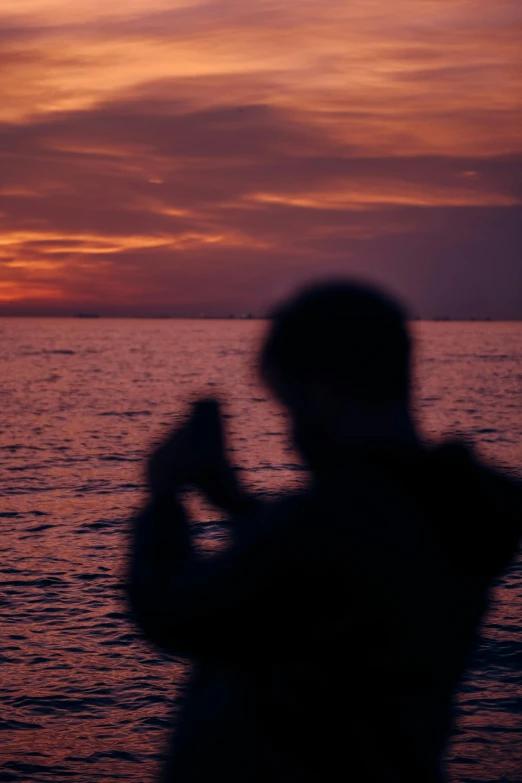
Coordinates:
[460,460]
[488,499]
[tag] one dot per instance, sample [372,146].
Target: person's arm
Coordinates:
[216,606]
[162,554]
[161,541]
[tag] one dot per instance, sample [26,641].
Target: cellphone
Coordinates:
[206,416]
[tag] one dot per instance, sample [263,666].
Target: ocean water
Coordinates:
[82,698]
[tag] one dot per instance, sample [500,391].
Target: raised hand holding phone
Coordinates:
[194,455]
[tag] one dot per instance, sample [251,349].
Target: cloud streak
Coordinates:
[169,157]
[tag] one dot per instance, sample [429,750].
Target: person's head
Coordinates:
[338,356]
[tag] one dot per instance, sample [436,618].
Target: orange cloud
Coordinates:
[191,144]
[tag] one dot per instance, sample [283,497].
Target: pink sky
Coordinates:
[188,157]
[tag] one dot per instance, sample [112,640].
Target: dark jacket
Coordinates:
[330,637]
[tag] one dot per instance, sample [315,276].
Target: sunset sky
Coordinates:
[181,157]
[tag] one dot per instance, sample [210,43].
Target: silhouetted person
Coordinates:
[331,635]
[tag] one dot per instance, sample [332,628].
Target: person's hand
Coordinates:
[194,455]
[214,475]
[166,464]
[176,461]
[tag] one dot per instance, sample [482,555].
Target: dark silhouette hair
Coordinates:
[346,335]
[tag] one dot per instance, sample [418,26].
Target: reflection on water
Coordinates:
[82,697]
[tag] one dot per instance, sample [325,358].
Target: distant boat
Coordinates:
[87,315]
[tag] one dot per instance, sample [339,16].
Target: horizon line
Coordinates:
[100,317]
